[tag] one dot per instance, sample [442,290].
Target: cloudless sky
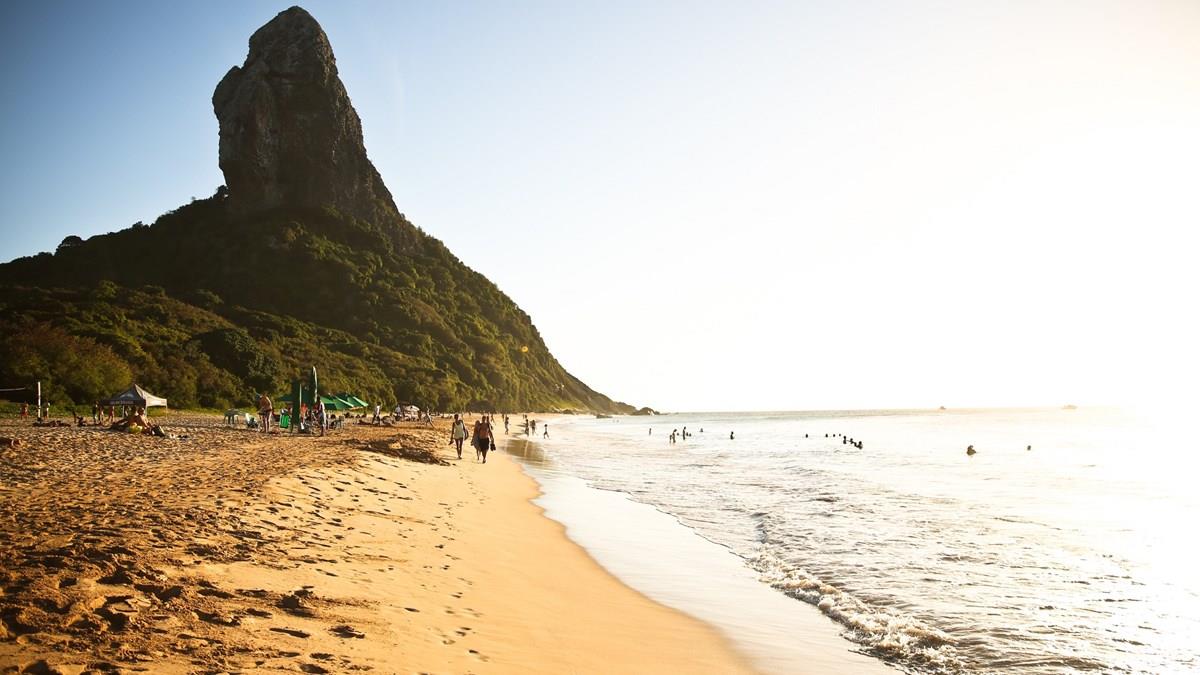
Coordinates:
[709,205]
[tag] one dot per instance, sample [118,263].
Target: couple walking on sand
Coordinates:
[481,436]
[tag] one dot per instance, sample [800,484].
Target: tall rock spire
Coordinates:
[289,135]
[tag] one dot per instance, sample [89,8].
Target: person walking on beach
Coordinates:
[458,433]
[24,410]
[96,413]
[377,419]
[483,438]
[322,418]
[545,431]
[265,411]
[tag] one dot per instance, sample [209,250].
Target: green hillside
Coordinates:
[206,308]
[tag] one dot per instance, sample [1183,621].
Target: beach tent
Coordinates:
[137,396]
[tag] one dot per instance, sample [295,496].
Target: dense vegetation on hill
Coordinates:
[206,308]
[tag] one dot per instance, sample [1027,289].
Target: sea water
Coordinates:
[1067,543]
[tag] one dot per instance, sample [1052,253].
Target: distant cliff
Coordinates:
[301,258]
[289,135]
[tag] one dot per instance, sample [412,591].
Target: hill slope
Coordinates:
[239,292]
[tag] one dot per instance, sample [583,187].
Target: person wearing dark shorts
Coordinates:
[483,438]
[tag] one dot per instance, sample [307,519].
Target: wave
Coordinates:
[883,632]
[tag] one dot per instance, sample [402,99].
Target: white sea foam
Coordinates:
[884,632]
[1054,559]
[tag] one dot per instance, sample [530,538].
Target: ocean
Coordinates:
[1065,544]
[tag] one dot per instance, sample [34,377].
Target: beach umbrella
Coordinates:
[354,401]
[331,402]
[335,403]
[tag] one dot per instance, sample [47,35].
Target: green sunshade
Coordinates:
[335,403]
[354,401]
[331,402]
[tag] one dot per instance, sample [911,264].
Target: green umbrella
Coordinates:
[331,402]
[335,403]
[354,401]
[305,398]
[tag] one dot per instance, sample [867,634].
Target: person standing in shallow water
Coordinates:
[458,433]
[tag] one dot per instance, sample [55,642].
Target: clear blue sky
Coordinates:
[708,205]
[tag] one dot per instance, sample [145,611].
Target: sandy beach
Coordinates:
[372,549]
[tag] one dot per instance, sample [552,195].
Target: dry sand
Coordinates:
[372,549]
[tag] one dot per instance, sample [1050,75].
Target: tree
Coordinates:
[72,369]
[70,242]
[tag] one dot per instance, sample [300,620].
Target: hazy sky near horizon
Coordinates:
[709,205]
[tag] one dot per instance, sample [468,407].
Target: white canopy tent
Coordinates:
[135,396]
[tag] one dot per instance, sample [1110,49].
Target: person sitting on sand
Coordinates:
[138,418]
[970,449]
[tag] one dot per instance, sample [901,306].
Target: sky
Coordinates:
[709,205]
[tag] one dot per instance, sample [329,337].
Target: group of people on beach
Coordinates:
[118,418]
[482,436]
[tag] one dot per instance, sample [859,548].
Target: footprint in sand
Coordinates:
[347,632]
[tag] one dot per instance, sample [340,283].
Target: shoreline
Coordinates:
[229,551]
[663,559]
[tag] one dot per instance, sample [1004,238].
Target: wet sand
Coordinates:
[372,549]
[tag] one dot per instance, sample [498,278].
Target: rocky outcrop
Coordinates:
[289,135]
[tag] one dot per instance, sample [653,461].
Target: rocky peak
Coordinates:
[289,135]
